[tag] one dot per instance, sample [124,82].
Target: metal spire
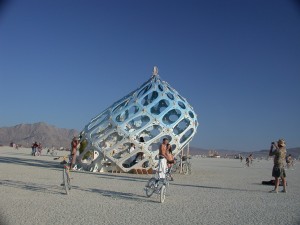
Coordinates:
[155,71]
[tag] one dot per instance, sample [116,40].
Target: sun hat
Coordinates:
[281,142]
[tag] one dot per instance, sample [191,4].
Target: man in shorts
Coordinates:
[279,158]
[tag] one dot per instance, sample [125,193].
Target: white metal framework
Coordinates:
[153,111]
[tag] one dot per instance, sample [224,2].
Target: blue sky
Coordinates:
[237,63]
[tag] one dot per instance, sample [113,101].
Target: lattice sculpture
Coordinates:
[153,111]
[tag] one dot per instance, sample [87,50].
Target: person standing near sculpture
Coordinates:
[279,158]
[74,146]
[34,148]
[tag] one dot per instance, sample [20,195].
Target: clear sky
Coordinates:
[237,63]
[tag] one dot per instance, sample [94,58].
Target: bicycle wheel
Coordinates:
[66,181]
[150,187]
[185,169]
[190,168]
[167,184]
[167,180]
[163,193]
[174,168]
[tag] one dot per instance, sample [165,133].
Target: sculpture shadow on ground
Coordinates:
[30,186]
[30,162]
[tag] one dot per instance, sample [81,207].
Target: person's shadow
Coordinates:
[57,189]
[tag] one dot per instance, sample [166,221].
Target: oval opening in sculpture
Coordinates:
[127,114]
[181,126]
[150,132]
[171,117]
[144,90]
[159,107]
[137,123]
[181,105]
[110,140]
[161,88]
[187,135]
[102,131]
[170,96]
[148,99]
[121,106]
[191,114]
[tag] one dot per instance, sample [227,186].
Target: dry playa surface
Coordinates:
[219,191]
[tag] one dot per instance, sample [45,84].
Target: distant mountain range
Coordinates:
[26,134]
[48,135]
[295,152]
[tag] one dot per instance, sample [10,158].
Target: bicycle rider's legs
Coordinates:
[71,158]
[162,168]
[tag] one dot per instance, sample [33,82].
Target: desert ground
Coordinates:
[219,191]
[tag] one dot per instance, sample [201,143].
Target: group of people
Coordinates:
[249,160]
[36,149]
[14,145]
[166,159]
[277,149]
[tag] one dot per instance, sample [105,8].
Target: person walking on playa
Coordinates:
[289,161]
[34,148]
[278,170]
[251,158]
[247,162]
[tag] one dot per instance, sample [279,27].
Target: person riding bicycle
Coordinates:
[163,157]
[74,146]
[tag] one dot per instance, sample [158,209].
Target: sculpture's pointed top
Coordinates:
[155,71]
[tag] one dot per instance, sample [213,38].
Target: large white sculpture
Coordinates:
[152,112]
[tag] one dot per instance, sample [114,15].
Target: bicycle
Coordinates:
[186,166]
[66,175]
[158,187]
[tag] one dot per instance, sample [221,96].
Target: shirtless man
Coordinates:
[163,157]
